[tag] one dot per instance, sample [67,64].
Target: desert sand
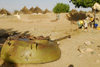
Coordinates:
[81,50]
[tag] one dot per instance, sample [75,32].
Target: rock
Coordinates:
[80,55]
[88,43]
[89,50]
[81,50]
[84,49]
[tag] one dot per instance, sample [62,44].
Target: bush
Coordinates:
[84,3]
[75,15]
[61,8]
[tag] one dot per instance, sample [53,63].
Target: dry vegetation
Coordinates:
[75,15]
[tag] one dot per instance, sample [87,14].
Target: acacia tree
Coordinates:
[61,8]
[84,3]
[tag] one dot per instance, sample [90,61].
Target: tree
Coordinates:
[61,8]
[84,3]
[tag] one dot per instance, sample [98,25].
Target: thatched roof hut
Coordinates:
[32,9]
[25,10]
[38,10]
[4,11]
[46,11]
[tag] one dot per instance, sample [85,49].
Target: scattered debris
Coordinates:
[88,43]
[80,55]
[89,50]
[84,49]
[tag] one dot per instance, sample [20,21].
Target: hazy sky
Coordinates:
[43,4]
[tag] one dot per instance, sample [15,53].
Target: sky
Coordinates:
[12,5]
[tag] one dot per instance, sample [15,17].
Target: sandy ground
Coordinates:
[81,50]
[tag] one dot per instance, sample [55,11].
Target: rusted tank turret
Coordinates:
[29,49]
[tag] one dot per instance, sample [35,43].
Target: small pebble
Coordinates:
[88,43]
[80,55]
[89,50]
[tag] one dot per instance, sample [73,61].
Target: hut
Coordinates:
[38,10]
[32,9]
[46,11]
[25,10]
[4,11]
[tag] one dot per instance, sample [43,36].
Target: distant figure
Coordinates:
[18,16]
[80,24]
[85,24]
[91,22]
[57,17]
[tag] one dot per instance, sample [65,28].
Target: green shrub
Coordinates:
[61,8]
[84,3]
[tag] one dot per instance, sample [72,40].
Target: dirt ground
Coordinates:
[81,50]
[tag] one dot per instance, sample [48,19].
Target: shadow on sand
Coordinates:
[4,34]
[5,64]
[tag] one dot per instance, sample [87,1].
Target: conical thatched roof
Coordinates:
[25,10]
[38,10]
[46,11]
[32,9]
[4,11]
